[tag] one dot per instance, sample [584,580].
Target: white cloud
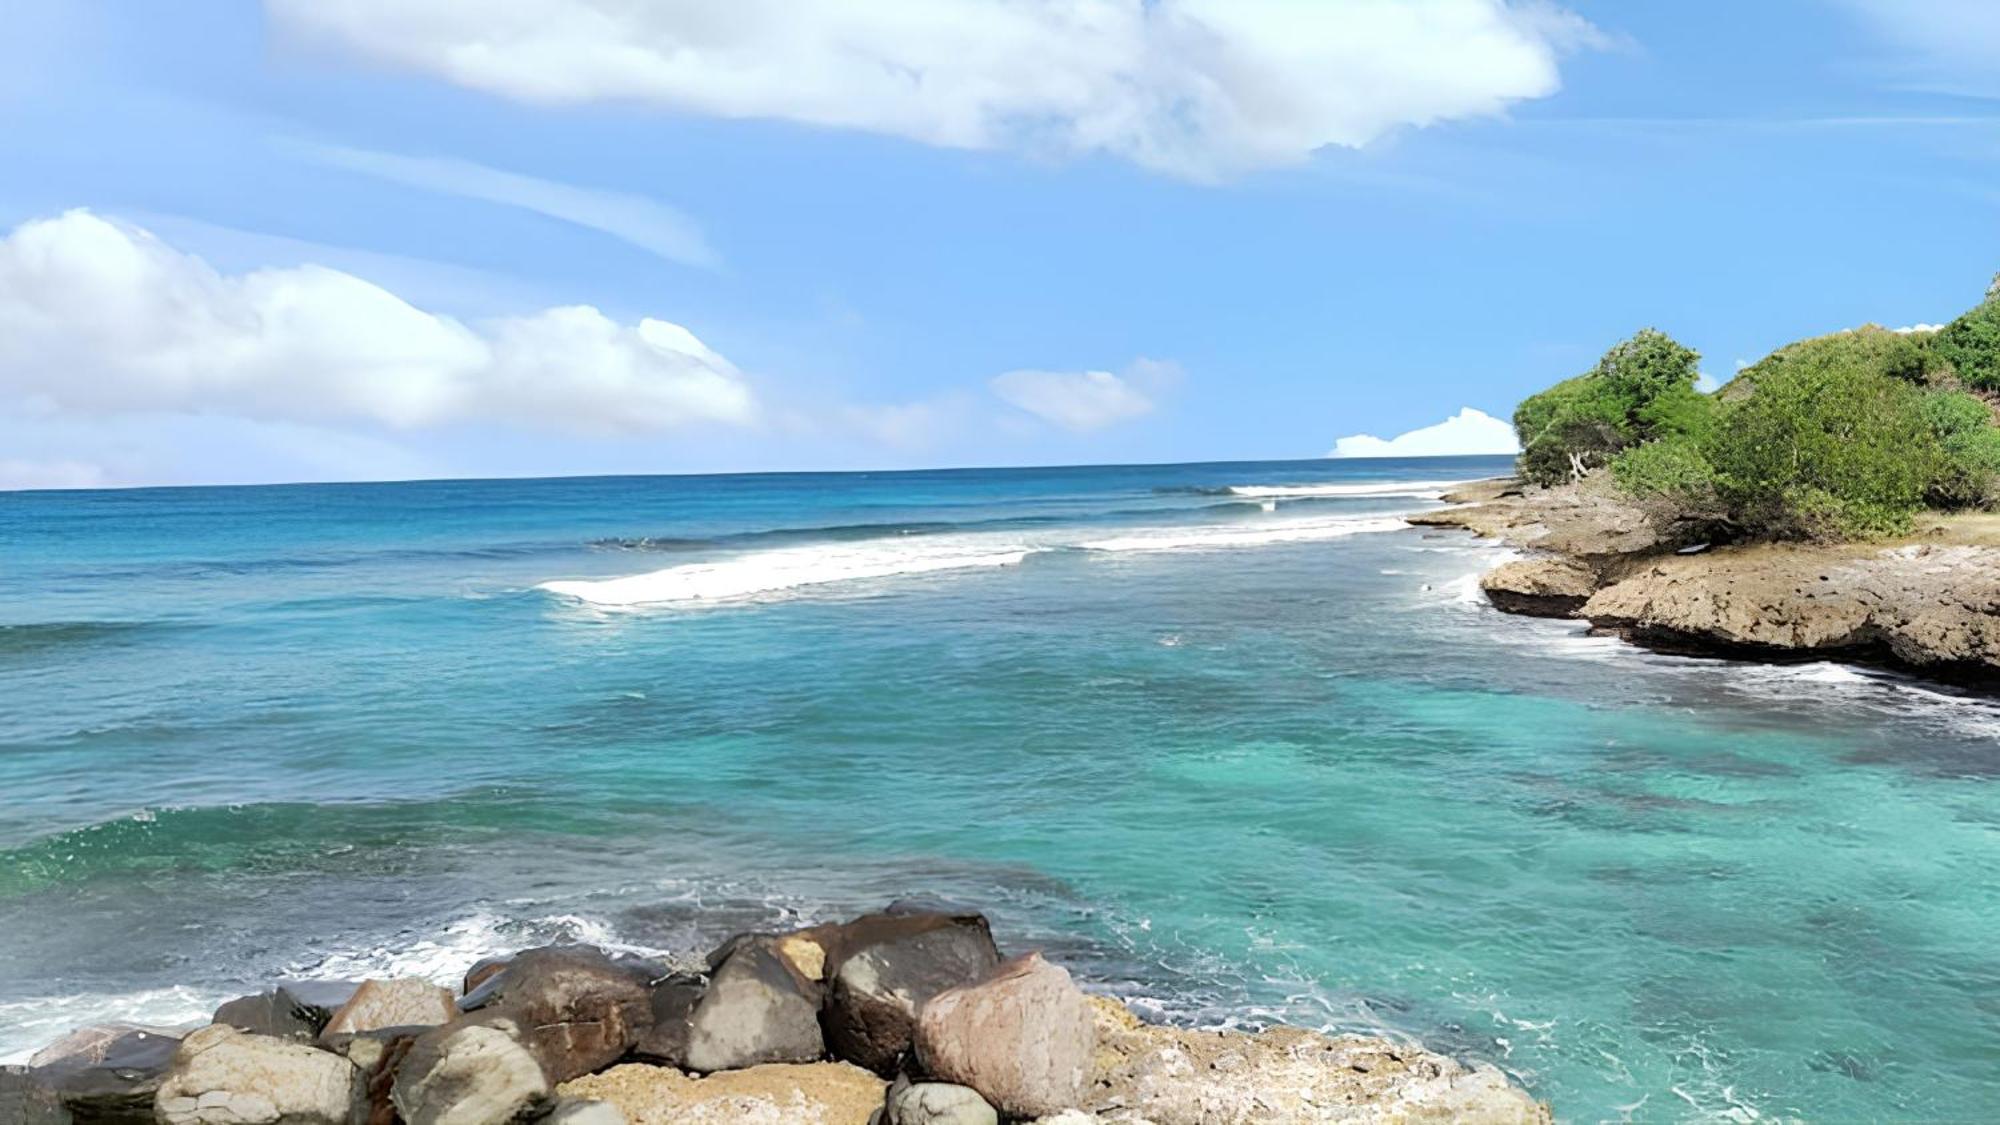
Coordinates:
[1467,432]
[100,317]
[1913,329]
[17,473]
[1087,400]
[651,226]
[1947,44]
[1706,384]
[1196,88]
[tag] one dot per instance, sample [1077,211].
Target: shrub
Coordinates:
[1967,469]
[1675,469]
[1971,344]
[1641,390]
[1870,348]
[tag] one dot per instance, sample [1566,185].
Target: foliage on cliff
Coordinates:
[1837,437]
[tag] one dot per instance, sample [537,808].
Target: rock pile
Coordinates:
[909,1016]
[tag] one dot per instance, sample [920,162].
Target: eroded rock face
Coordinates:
[1022,1036]
[1174,1076]
[579,1009]
[771,1094]
[474,1071]
[406,1002]
[760,1006]
[222,1076]
[1552,586]
[886,966]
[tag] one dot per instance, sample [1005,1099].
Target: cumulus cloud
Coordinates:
[1915,329]
[1196,88]
[651,226]
[1087,400]
[100,317]
[1467,432]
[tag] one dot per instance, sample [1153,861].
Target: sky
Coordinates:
[382,239]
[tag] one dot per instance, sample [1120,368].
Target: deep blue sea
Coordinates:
[1230,740]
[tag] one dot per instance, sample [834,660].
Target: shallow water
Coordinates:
[1238,755]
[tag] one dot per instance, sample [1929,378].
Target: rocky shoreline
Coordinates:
[908,1016]
[1928,603]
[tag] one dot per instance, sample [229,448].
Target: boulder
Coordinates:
[580,1009]
[1540,587]
[405,1002]
[881,970]
[936,1103]
[674,1000]
[377,1054]
[771,1094]
[1022,1036]
[473,1071]
[760,1007]
[577,1111]
[1177,1076]
[316,1000]
[107,1073]
[222,1076]
[266,1013]
[26,1100]
[483,970]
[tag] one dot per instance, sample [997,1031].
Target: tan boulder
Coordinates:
[222,1076]
[1022,1036]
[472,1072]
[771,1094]
[404,1002]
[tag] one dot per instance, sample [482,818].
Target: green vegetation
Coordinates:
[1838,437]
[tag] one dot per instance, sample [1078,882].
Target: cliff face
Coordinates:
[1930,603]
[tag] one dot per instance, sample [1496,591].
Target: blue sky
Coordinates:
[323,240]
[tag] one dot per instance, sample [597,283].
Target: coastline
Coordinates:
[1927,603]
[906,1016]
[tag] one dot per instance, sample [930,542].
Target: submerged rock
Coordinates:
[579,1008]
[760,1007]
[769,1094]
[885,966]
[222,1076]
[1022,1036]
[1176,1076]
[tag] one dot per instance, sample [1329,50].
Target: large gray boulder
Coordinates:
[761,1006]
[222,1076]
[404,1002]
[1022,1036]
[579,1009]
[883,967]
[473,1071]
[107,1073]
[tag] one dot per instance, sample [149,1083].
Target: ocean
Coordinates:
[1229,740]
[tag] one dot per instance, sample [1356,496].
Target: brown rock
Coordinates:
[473,1071]
[770,1094]
[579,1008]
[405,1002]
[1022,1036]
[1555,586]
[884,967]
[107,1073]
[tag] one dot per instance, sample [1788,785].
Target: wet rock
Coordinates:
[483,970]
[405,1002]
[761,1006]
[1176,1076]
[1555,586]
[769,1094]
[884,966]
[473,1071]
[107,1073]
[26,1100]
[673,1003]
[1022,1036]
[222,1076]
[580,1009]
[936,1103]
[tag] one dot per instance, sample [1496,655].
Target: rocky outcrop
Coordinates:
[1022,1036]
[1177,1076]
[768,1094]
[762,1005]
[1592,520]
[885,967]
[406,1002]
[222,1076]
[1553,586]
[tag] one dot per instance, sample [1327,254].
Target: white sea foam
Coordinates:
[763,573]
[1213,538]
[26,1026]
[1421,488]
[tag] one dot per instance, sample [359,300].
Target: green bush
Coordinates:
[1967,471]
[1971,344]
[1869,348]
[1675,469]
[1641,390]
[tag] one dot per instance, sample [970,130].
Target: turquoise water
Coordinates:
[1237,755]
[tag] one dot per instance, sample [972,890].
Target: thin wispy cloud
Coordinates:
[648,224]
